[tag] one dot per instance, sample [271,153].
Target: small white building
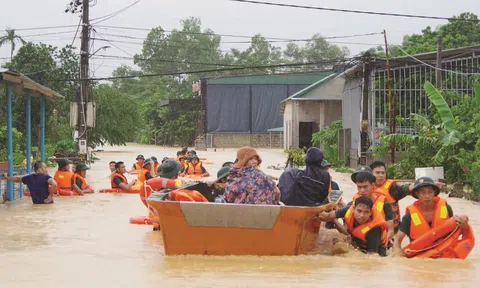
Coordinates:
[311,109]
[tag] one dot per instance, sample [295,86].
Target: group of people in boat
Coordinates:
[372,219]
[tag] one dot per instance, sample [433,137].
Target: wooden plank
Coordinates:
[11,78]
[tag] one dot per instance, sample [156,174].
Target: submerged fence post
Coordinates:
[10,195]
[42,128]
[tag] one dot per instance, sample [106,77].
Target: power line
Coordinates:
[201,71]
[353,11]
[76,32]
[111,15]
[44,28]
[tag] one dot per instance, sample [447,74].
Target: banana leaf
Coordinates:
[451,139]
[442,107]
[476,88]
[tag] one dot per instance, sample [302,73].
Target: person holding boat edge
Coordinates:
[365,181]
[429,212]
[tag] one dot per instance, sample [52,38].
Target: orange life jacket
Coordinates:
[419,225]
[378,202]
[186,195]
[117,175]
[63,179]
[155,167]
[197,169]
[378,220]
[330,186]
[385,191]
[78,176]
[137,166]
[142,175]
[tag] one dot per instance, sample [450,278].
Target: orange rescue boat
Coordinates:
[236,229]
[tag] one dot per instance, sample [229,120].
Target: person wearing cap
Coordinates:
[63,176]
[365,182]
[228,164]
[366,227]
[42,186]
[220,184]
[246,184]
[155,164]
[118,180]
[147,171]
[333,185]
[390,189]
[138,165]
[169,172]
[428,212]
[307,187]
[79,183]
[184,151]
[194,167]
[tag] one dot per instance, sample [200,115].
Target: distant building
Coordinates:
[244,110]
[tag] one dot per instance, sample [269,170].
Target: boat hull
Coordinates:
[237,229]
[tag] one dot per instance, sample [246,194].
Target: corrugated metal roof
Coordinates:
[306,89]
[281,79]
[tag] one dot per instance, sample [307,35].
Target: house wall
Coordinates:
[352,97]
[229,140]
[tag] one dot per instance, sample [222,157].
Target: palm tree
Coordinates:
[11,38]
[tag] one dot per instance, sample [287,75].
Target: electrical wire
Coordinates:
[76,32]
[325,62]
[111,15]
[353,11]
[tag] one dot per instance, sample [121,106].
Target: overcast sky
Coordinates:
[225,17]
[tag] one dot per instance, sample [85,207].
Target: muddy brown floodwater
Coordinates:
[88,242]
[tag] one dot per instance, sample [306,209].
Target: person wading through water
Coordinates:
[118,180]
[41,185]
[79,183]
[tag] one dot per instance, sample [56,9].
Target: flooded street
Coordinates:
[88,242]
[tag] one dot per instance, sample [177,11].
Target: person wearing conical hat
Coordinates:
[429,212]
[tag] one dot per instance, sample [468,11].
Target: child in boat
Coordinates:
[365,182]
[63,176]
[79,183]
[246,184]
[429,212]
[194,167]
[366,227]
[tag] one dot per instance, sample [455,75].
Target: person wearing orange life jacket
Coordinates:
[138,165]
[365,182]
[194,167]
[366,226]
[429,212]
[79,183]
[63,176]
[118,180]
[156,164]
[389,188]
[147,171]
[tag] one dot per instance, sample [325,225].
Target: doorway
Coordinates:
[305,134]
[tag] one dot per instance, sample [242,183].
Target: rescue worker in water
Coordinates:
[365,181]
[194,167]
[138,165]
[429,212]
[118,180]
[79,183]
[389,188]
[63,176]
[366,226]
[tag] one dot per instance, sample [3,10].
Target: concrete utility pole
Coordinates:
[84,83]
[438,77]
[391,101]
